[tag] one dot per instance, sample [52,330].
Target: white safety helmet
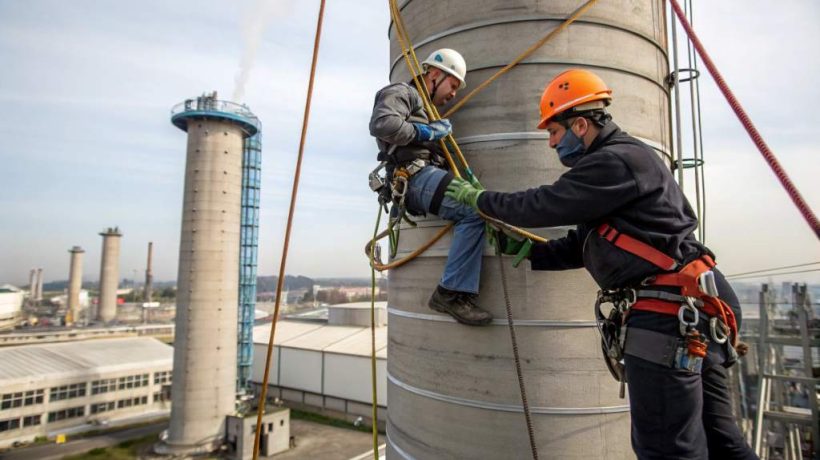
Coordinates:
[449,61]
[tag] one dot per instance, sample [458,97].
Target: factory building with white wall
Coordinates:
[72,387]
[325,366]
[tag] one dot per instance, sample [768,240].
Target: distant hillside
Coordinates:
[268,283]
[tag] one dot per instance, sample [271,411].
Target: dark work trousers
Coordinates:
[680,415]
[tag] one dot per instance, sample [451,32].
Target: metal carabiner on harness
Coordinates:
[718,331]
[685,325]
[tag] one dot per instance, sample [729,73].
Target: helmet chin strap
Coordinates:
[435,87]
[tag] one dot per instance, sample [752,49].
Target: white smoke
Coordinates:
[256,15]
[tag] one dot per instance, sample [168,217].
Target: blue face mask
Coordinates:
[570,149]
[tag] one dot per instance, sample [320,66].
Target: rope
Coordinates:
[516,358]
[374,415]
[261,410]
[408,53]
[756,137]
[572,18]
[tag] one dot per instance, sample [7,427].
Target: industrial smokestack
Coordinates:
[39,295]
[109,274]
[75,283]
[32,285]
[149,276]
[205,350]
[452,390]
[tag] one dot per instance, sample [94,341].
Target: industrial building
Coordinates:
[78,386]
[324,366]
[11,301]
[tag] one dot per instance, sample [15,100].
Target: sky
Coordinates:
[86,142]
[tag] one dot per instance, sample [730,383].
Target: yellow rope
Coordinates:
[373,383]
[416,70]
[580,11]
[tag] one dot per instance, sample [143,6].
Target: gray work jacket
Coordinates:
[395,109]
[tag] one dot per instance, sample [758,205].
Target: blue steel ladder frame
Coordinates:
[249,245]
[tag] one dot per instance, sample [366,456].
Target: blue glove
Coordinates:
[434,131]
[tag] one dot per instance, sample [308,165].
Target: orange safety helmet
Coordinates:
[569,89]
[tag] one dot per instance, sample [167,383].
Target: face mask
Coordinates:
[570,149]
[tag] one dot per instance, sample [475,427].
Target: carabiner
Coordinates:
[685,325]
[717,331]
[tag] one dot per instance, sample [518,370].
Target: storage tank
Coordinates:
[453,391]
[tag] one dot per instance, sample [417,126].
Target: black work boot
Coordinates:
[459,306]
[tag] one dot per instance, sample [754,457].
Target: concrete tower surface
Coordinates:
[75,282]
[109,274]
[204,376]
[452,389]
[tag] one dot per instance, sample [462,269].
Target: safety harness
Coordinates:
[697,296]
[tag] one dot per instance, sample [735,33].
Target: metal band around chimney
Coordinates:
[543,410]
[528,18]
[541,135]
[398,449]
[495,322]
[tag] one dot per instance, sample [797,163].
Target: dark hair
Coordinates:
[600,117]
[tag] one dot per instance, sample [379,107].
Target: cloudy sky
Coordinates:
[86,142]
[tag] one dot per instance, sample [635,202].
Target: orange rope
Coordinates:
[261,410]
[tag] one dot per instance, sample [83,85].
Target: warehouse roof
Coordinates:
[33,363]
[345,340]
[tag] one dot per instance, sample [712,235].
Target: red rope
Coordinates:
[747,123]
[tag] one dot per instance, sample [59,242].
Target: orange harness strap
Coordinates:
[686,278]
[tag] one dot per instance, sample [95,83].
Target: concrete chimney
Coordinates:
[109,274]
[205,351]
[39,295]
[149,275]
[452,390]
[75,282]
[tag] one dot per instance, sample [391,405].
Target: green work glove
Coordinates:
[463,192]
[512,247]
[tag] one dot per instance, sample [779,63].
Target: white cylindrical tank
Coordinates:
[75,282]
[11,302]
[109,274]
[452,389]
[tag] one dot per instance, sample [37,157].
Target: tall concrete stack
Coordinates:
[32,285]
[75,282]
[452,389]
[39,292]
[149,274]
[109,274]
[205,350]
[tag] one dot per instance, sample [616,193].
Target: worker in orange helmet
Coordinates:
[634,234]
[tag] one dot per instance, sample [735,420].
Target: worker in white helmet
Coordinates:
[407,142]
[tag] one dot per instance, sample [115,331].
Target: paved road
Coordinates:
[57,451]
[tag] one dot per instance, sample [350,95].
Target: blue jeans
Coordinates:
[463,268]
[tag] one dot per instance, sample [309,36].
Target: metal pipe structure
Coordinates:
[452,389]
[75,283]
[149,274]
[204,375]
[109,274]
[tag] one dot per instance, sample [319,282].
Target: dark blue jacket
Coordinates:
[620,181]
